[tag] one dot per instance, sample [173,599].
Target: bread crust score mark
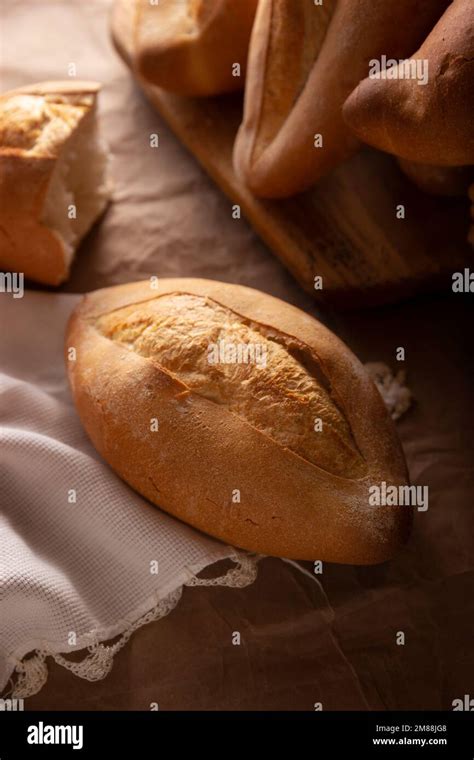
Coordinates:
[277,395]
[290,505]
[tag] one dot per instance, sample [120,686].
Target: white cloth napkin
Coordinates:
[73,573]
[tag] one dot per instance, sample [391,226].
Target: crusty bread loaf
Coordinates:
[52,176]
[431,123]
[187,46]
[304,60]
[205,397]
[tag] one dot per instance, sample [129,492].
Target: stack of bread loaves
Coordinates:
[320,78]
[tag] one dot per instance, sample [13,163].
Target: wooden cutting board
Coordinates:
[345,230]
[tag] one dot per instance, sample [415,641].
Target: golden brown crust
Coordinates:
[187,47]
[292,36]
[36,123]
[283,161]
[432,123]
[268,385]
[202,451]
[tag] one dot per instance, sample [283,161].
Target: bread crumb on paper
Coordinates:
[396,395]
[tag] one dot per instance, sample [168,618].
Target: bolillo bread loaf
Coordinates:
[431,123]
[205,396]
[304,61]
[186,46]
[51,159]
